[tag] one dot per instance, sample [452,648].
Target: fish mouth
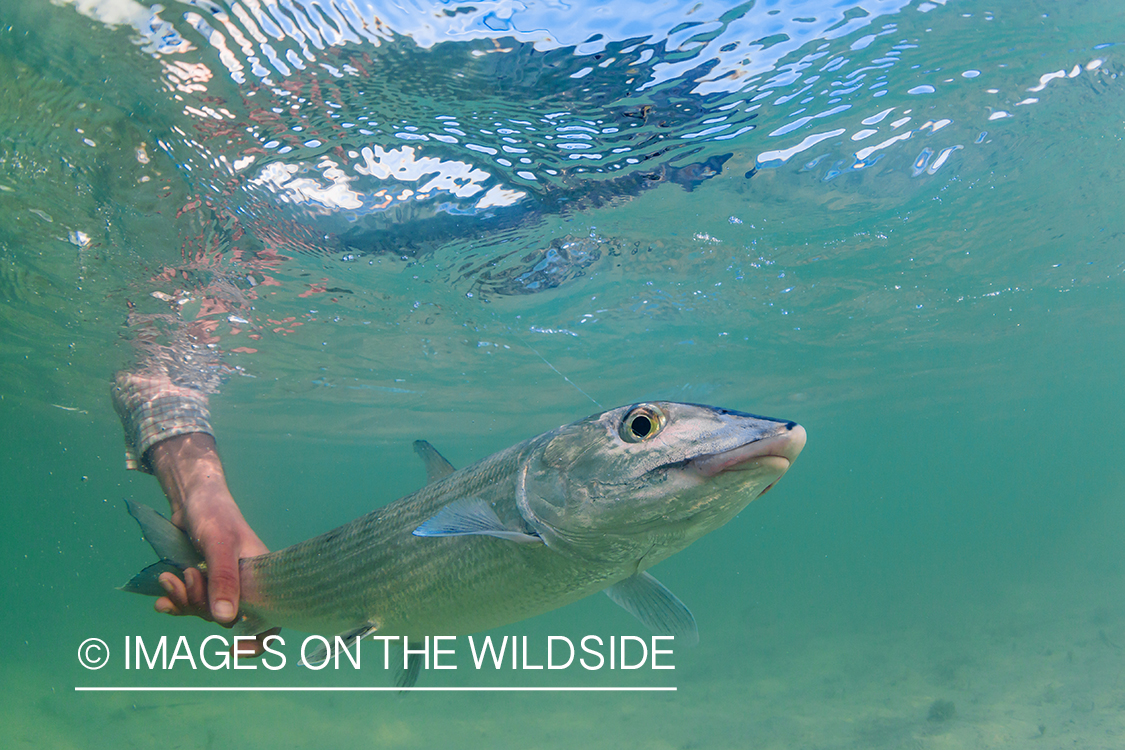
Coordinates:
[773,454]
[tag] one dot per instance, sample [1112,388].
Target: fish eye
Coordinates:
[642,423]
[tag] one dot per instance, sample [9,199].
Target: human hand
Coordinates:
[191,474]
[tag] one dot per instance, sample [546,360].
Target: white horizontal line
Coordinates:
[138,689]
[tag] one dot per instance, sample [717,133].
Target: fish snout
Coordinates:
[791,442]
[774,453]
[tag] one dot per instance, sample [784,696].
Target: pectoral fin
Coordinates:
[436,465]
[471,516]
[656,607]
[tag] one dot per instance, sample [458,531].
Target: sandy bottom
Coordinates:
[1039,669]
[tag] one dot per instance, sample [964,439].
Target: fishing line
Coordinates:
[564,377]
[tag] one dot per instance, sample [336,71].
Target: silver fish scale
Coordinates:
[374,570]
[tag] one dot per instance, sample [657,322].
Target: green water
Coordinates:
[951,339]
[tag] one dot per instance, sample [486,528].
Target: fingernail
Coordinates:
[223,610]
[165,584]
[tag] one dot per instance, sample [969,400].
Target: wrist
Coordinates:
[189,470]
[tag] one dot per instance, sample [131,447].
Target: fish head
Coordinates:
[651,478]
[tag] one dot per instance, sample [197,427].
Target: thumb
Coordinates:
[222,577]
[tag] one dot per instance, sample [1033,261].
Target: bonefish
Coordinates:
[587,507]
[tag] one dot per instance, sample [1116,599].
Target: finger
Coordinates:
[222,579]
[165,606]
[174,587]
[176,599]
[196,592]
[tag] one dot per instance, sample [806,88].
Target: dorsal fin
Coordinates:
[436,465]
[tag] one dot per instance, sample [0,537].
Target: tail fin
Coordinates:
[171,544]
[176,553]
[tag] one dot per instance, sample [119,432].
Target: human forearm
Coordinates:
[190,471]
